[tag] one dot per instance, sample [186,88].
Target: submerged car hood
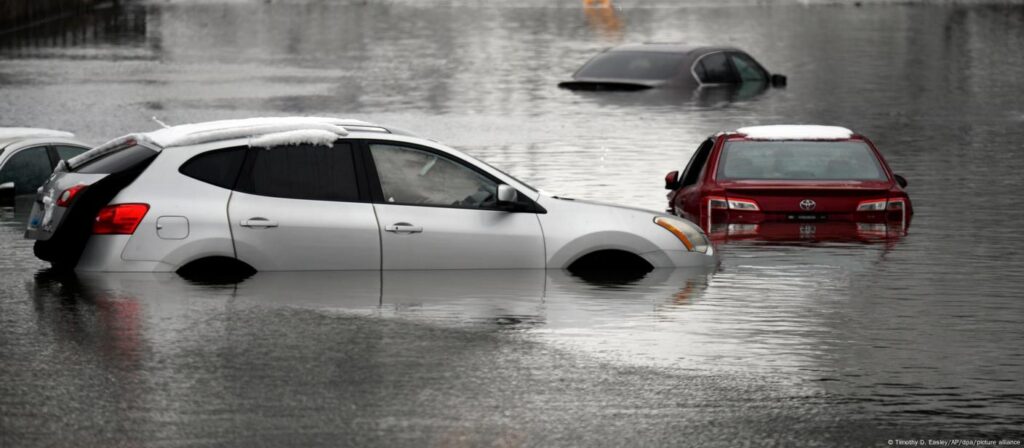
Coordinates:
[605,204]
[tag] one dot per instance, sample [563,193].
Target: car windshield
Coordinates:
[805,160]
[647,65]
[534,190]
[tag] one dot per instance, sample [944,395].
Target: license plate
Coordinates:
[807,216]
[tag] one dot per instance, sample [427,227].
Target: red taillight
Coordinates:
[120,219]
[65,197]
[872,205]
[720,203]
[717,203]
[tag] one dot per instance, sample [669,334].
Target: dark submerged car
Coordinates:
[650,65]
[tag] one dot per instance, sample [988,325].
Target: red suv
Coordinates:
[784,182]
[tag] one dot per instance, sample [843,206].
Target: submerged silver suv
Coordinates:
[302,193]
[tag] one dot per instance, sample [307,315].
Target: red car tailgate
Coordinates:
[828,197]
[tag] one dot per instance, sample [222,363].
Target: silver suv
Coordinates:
[306,193]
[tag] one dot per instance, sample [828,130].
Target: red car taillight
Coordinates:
[877,205]
[120,219]
[67,195]
[720,203]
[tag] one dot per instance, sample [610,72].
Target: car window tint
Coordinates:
[696,165]
[747,68]
[846,160]
[311,172]
[219,168]
[716,69]
[415,177]
[67,152]
[633,65]
[28,169]
[117,161]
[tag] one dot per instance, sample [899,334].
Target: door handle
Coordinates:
[258,223]
[403,227]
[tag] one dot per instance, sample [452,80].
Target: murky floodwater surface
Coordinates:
[799,343]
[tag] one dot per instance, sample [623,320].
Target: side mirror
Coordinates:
[7,194]
[672,180]
[506,194]
[900,180]
[778,80]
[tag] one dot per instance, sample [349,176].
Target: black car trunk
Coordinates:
[64,243]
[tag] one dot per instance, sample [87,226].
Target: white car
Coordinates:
[307,193]
[28,156]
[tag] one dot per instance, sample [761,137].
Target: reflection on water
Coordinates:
[810,317]
[113,28]
[918,331]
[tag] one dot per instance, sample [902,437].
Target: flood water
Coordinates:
[806,343]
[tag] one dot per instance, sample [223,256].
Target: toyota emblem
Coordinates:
[808,204]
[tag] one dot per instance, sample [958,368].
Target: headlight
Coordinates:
[690,235]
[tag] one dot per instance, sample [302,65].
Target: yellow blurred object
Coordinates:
[601,15]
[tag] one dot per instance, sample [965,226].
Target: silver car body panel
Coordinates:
[573,229]
[278,234]
[414,237]
[173,195]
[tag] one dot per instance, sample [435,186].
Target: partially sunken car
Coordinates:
[786,181]
[650,65]
[28,156]
[306,193]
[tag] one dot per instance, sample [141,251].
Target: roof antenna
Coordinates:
[157,120]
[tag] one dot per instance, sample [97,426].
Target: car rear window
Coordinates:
[219,168]
[790,160]
[117,161]
[650,65]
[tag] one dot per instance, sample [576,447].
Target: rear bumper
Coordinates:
[746,217]
[813,231]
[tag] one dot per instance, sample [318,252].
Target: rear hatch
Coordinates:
[67,204]
[814,197]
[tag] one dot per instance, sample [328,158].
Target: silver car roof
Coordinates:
[11,135]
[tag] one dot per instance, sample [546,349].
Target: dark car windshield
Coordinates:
[789,160]
[647,65]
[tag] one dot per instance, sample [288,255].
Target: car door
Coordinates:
[438,212]
[300,208]
[688,196]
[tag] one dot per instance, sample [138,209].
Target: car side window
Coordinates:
[306,171]
[67,152]
[412,176]
[219,167]
[696,165]
[749,70]
[28,169]
[714,69]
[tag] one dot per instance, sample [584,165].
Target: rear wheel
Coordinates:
[216,270]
